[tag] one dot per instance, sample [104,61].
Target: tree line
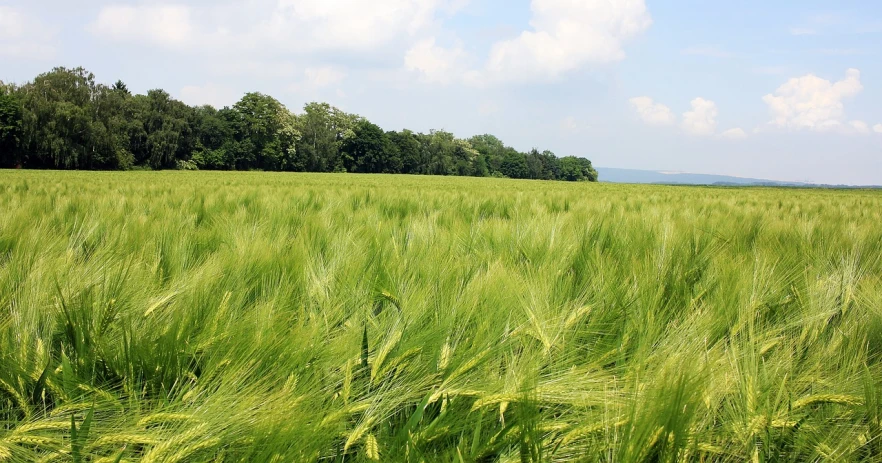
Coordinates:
[64,119]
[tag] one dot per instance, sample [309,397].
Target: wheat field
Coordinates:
[270,317]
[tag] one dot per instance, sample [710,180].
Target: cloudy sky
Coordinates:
[784,89]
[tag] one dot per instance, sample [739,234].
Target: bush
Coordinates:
[186,165]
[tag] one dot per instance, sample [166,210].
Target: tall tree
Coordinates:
[577,169]
[492,150]
[408,145]
[323,130]
[438,153]
[10,127]
[111,126]
[262,121]
[167,133]
[550,165]
[64,119]
[465,158]
[57,119]
[514,165]
[212,133]
[369,150]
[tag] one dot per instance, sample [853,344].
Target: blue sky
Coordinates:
[787,90]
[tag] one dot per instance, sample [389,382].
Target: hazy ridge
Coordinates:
[616,175]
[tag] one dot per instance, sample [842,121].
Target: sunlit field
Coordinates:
[270,317]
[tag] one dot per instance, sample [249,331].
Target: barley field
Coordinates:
[269,317]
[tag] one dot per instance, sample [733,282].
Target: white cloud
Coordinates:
[877,128]
[24,36]
[352,24]
[208,94]
[812,103]
[566,35]
[267,27]
[168,25]
[702,120]
[734,134]
[435,64]
[859,126]
[652,113]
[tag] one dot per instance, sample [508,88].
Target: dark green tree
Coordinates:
[550,165]
[121,87]
[262,120]
[57,119]
[213,133]
[10,127]
[492,150]
[464,158]
[167,135]
[577,169]
[369,150]
[514,165]
[408,146]
[439,156]
[323,129]
[64,119]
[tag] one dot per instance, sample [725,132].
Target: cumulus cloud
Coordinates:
[877,128]
[24,36]
[168,25]
[652,113]
[271,26]
[812,103]
[563,35]
[208,94]
[734,134]
[353,24]
[702,119]
[436,64]
[859,126]
[566,35]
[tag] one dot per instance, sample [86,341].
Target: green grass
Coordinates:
[238,317]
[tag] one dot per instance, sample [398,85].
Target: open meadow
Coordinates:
[273,317]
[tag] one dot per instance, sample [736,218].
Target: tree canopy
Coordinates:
[64,119]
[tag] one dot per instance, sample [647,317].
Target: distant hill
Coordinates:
[613,175]
[608,174]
